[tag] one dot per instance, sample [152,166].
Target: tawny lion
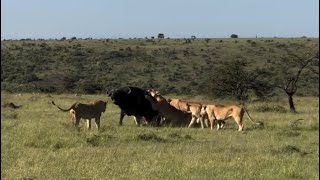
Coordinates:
[86,111]
[221,113]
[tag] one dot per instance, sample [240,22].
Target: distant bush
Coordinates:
[253,44]
[89,87]
[234,36]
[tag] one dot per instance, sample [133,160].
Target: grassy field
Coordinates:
[39,142]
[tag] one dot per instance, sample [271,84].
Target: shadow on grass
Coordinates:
[290,150]
[94,140]
[177,136]
[289,133]
[150,137]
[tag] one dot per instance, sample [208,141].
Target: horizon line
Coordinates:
[152,37]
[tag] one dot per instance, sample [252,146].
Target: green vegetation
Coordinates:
[174,66]
[39,142]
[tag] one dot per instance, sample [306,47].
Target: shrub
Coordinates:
[234,36]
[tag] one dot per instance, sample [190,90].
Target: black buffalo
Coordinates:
[132,102]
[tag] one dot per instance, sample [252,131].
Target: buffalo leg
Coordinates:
[137,120]
[88,123]
[97,121]
[122,114]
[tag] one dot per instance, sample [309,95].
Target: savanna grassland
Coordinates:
[39,142]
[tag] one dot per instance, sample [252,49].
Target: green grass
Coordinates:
[38,141]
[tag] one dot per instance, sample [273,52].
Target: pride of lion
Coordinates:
[216,114]
[173,112]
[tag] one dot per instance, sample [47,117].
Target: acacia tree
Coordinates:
[237,79]
[291,67]
[234,36]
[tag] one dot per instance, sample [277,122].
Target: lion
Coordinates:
[86,111]
[221,113]
[192,107]
[171,115]
[195,110]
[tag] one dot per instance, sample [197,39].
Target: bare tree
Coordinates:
[290,80]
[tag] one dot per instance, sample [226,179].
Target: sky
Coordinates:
[145,18]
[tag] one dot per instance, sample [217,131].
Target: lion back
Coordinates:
[93,110]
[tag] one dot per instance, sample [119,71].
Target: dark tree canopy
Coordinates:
[234,36]
[233,80]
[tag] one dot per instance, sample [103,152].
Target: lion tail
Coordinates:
[249,116]
[60,107]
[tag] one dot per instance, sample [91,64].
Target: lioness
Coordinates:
[193,107]
[86,111]
[172,116]
[221,113]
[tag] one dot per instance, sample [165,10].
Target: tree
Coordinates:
[160,35]
[288,80]
[236,80]
[234,36]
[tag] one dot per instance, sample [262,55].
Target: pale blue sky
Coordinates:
[174,18]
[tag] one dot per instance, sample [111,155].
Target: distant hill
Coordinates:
[175,66]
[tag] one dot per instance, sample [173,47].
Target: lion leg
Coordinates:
[77,123]
[206,123]
[193,119]
[212,121]
[239,122]
[72,116]
[201,122]
[88,123]
[97,121]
